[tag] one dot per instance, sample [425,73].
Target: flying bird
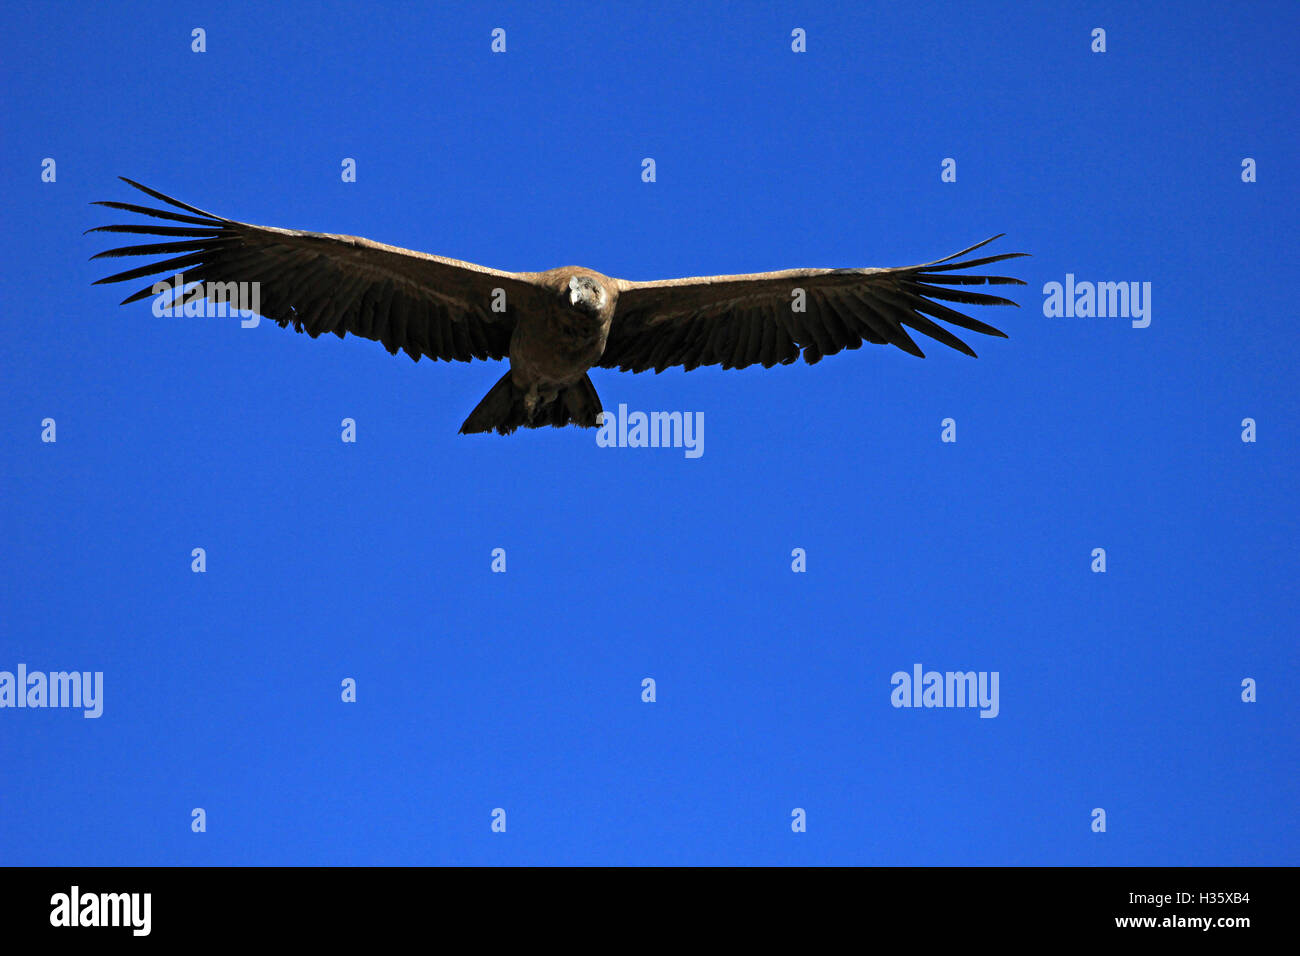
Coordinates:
[554,326]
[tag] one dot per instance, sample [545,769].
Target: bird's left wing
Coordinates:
[769,317]
[318,282]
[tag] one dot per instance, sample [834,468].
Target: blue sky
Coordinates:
[371,561]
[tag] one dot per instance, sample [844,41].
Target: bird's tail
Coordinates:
[504,408]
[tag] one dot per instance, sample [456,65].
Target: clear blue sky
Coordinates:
[522,690]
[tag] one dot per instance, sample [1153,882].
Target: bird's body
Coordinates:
[553,326]
[554,345]
[556,340]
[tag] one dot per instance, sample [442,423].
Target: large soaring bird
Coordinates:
[554,326]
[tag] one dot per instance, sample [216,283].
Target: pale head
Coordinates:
[587,294]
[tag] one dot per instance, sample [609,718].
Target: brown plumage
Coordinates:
[554,326]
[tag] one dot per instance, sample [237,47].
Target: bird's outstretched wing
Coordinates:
[740,320]
[422,304]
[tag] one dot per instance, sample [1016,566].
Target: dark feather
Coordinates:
[319,282]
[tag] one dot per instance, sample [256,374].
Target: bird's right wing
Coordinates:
[413,301]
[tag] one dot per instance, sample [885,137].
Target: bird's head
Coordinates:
[587,294]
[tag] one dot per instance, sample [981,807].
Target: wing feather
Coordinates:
[409,301]
[741,320]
